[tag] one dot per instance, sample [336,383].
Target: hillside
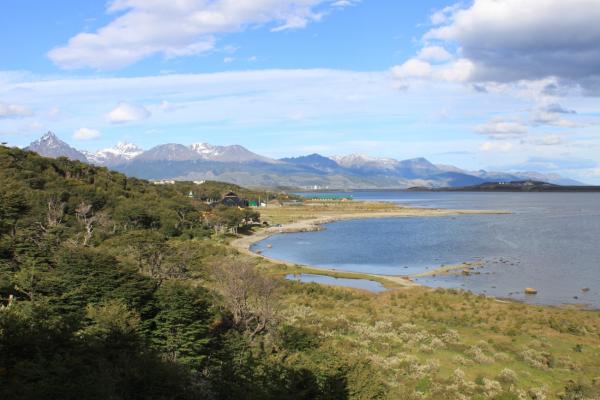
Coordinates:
[112,287]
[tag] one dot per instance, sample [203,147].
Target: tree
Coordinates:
[180,330]
[249,296]
[89,220]
[154,257]
[13,205]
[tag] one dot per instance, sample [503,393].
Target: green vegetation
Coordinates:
[115,288]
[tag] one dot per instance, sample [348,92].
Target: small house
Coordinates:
[230,199]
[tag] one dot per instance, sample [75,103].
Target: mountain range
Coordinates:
[236,164]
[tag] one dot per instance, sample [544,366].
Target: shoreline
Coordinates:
[243,244]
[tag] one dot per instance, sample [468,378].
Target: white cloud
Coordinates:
[455,71]
[179,28]
[548,118]
[501,147]
[500,128]
[345,3]
[413,68]
[434,53]
[444,15]
[127,112]
[511,40]
[86,134]
[549,140]
[13,111]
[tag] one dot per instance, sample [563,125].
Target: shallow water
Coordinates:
[365,284]
[550,242]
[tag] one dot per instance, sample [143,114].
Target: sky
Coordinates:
[486,84]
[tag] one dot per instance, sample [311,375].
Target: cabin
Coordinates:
[230,199]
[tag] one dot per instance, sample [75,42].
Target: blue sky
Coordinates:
[478,84]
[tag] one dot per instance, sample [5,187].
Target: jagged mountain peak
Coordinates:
[48,139]
[49,145]
[49,136]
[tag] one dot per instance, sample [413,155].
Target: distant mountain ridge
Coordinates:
[514,186]
[236,164]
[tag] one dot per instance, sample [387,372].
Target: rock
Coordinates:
[466,272]
[585,289]
[530,290]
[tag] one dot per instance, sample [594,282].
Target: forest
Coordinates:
[115,288]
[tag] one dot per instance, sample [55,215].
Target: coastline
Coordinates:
[243,244]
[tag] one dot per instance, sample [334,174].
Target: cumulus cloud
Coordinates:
[86,134]
[511,40]
[434,53]
[13,110]
[455,71]
[127,112]
[413,68]
[501,128]
[144,28]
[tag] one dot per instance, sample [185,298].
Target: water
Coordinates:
[551,242]
[365,284]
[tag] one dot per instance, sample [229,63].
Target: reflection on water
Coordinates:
[551,243]
[365,284]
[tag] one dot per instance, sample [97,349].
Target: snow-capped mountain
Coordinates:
[205,149]
[168,152]
[364,161]
[239,165]
[50,145]
[119,154]
[233,153]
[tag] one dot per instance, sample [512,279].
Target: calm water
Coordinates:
[329,280]
[550,242]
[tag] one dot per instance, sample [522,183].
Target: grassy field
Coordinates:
[423,343]
[319,209]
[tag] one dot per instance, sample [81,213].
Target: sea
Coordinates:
[549,241]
